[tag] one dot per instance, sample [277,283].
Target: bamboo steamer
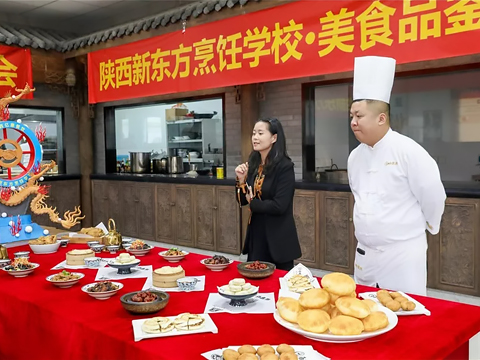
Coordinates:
[78,259]
[167,280]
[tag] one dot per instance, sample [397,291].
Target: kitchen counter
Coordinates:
[458,189]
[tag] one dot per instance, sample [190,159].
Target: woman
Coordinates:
[267,184]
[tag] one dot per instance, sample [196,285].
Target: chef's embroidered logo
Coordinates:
[387,163]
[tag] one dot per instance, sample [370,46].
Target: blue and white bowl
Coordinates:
[97,248]
[113,248]
[91,243]
[187,283]
[92,262]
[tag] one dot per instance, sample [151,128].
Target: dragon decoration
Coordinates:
[12,195]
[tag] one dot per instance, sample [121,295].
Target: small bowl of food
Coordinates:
[97,248]
[173,255]
[102,290]
[238,291]
[45,245]
[4,262]
[124,263]
[91,243]
[113,248]
[144,302]
[22,254]
[187,283]
[64,242]
[256,269]
[92,262]
[139,248]
[20,267]
[65,279]
[216,263]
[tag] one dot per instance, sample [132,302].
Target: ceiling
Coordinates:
[81,17]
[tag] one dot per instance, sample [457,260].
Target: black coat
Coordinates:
[276,205]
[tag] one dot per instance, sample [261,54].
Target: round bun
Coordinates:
[375,321]
[248,356]
[352,307]
[334,312]
[289,356]
[372,305]
[246,349]
[229,354]
[269,356]
[284,348]
[315,321]
[338,284]
[346,325]
[265,349]
[314,299]
[289,309]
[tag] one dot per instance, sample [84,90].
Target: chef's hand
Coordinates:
[241,172]
[249,194]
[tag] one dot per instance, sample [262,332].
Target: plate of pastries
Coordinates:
[334,313]
[397,301]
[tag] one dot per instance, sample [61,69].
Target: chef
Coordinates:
[396,184]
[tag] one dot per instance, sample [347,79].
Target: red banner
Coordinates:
[15,70]
[304,38]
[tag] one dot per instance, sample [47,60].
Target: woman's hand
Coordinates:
[241,172]
[249,195]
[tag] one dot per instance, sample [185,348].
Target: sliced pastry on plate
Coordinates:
[157,325]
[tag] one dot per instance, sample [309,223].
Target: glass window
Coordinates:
[440,112]
[193,130]
[48,121]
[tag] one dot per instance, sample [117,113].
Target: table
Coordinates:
[41,321]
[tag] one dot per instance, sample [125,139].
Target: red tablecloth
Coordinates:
[40,321]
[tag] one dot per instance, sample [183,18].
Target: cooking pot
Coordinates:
[140,162]
[175,165]
[160,166]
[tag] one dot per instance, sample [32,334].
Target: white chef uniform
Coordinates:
[398,195]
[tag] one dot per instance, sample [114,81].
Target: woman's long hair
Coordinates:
[277,153]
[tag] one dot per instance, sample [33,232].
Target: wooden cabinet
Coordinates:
[64,195]
[227,221]
[164,212]
[205,210]
[130,204]
[337,239]
[454,253]
[183,215]
[306,214]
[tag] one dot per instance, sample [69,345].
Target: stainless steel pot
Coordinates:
[175,165]
[141,162]
[160,166]
[193,167]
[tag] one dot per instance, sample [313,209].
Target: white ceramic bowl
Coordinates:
[4,262]
[216,267]
[102,295]
[22,273]
[139,252]
[45,249]
[174,258]
[65,284]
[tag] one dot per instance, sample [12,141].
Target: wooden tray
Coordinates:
[82,240]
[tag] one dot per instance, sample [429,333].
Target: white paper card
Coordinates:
[299,269]
[108,273]
[103,227]
[259,304]
[63,265]
[303,352]
[419,307]
[199,286]
[138,333]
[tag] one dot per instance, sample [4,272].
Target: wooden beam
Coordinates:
[48,67]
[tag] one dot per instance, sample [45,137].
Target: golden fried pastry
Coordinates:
[289,309]
[314,320]
[265,349]
[333,298]
[393,305]
[372,305]
[327,307]
[229,354]
[314,299]
[401,299]
[247,356]
[375,321]
[352,307]
[284,348]
[269,356]
[408,305]
[95,232]
[289,356]
[335,312]
[395,294]
[380,292]
[346,325]
[339,284]
[247,349]
[44,240]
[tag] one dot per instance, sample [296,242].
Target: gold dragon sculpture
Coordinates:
[38,205]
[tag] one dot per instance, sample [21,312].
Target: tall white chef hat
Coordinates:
[373,78]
